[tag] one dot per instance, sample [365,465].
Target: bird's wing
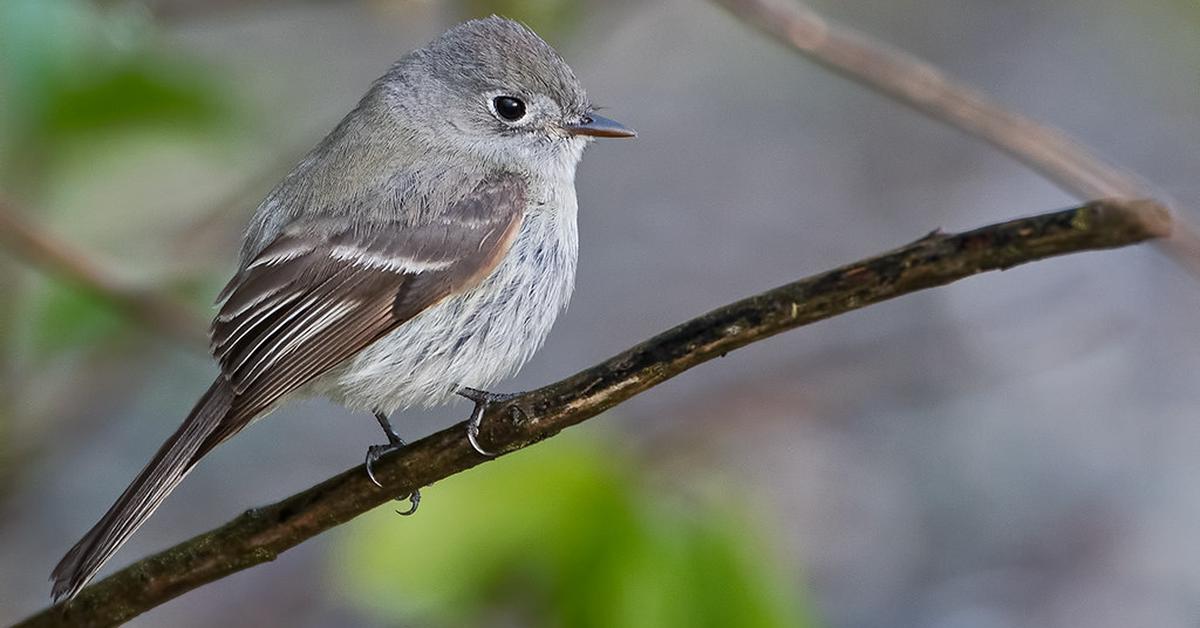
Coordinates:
[306,303]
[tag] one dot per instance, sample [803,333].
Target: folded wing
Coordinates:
[311,299]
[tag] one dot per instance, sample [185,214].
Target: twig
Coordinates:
[913,82]
[44,251]
[259,535]
[217,219]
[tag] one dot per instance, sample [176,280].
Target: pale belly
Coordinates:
[473,339]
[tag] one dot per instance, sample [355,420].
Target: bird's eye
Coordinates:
[509,108]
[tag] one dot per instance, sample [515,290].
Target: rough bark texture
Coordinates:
[260,534]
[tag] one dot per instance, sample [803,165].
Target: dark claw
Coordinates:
[375,452]
[413,498]
[482,400]
[473,424]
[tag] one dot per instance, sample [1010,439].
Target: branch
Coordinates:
[260,534]
[212,224]
[156,313]
[913,82]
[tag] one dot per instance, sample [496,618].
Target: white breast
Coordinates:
[481,336]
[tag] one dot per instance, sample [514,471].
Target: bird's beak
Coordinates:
[599,126]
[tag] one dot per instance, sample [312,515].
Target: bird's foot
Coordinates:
[484,399]
[375,452]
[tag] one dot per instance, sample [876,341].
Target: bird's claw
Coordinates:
[414,500]
[483,399]
[375,452]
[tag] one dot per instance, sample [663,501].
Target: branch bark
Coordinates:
[260,534]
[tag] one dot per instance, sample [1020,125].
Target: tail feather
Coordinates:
[173,461]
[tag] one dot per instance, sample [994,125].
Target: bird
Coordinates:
[423,249]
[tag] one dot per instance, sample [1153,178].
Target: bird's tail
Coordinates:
[174,459]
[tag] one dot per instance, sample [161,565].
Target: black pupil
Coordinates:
[509,108]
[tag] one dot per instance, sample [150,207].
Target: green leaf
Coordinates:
[137,92]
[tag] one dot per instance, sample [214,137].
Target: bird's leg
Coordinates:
[483,399]
[375,452]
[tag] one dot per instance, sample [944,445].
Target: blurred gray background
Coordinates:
[1016,449]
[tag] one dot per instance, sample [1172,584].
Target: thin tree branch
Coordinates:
[156,313]
[260,534]
[913,82]
[209,226]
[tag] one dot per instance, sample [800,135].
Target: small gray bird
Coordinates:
[422,249]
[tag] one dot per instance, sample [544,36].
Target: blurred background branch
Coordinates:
[153,311]
[261,534]
[922,86]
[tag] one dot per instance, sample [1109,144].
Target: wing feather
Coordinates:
[310,300]
[315,297]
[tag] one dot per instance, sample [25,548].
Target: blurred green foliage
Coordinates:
[75,75]
[66,318]
[70,69]
[565,534]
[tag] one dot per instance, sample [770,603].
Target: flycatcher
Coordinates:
[422,249]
